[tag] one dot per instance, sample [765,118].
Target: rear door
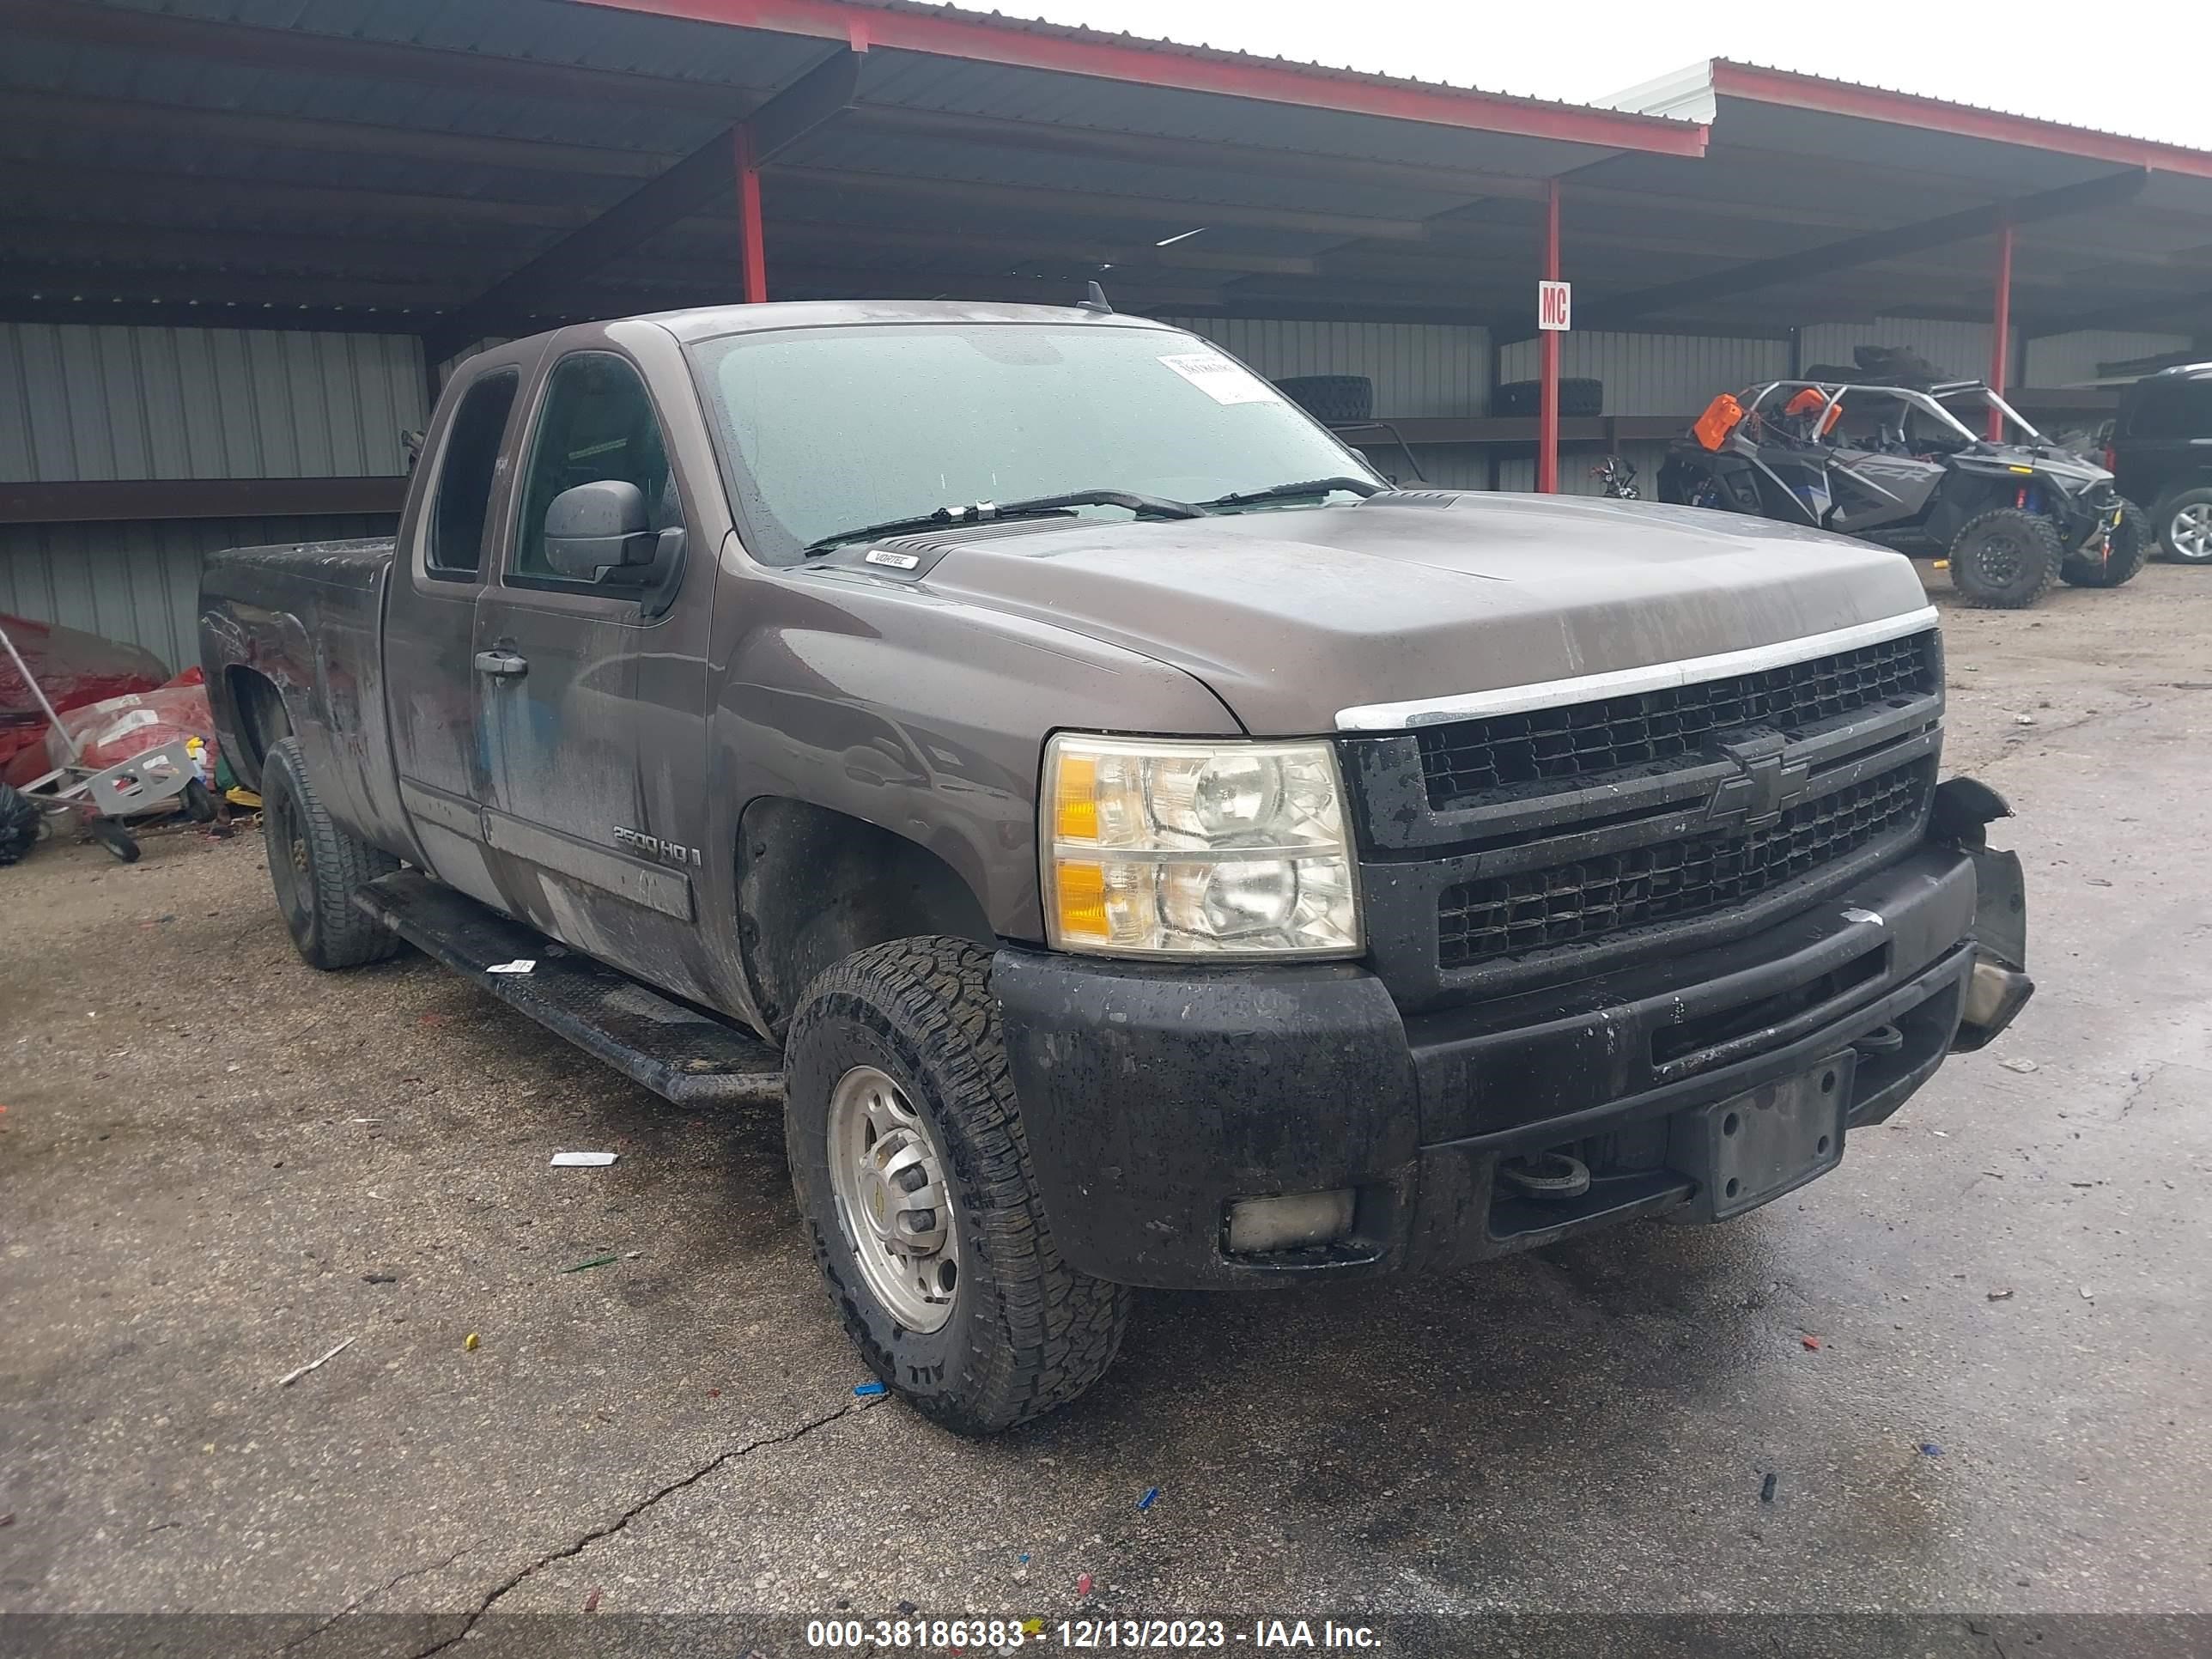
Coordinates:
[449,544]
[590,700]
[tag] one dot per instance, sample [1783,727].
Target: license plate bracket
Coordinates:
[1751,1148]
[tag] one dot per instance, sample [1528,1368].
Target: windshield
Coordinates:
[826,429]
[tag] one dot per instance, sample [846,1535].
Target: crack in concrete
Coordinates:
[385,1588]
[2151,1070]
[2017,750]
[621,1521]
[1976,1630]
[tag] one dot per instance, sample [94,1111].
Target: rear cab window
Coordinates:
[454,550]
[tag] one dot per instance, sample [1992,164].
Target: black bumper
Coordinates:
[1154,1096]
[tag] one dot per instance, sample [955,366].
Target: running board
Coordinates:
[679,1052]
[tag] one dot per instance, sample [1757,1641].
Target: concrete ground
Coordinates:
[216,1165]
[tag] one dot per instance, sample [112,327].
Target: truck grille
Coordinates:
[1579,900]
[1467,759]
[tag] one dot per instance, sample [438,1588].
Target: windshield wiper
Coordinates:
[1037,506]
[1284,492]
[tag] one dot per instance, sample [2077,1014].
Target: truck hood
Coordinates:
[1292,616]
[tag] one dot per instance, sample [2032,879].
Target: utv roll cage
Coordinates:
[1814,421]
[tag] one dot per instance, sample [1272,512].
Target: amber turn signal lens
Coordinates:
[1079,892]
[1075,809]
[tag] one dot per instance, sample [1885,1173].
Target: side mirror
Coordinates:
[596,531]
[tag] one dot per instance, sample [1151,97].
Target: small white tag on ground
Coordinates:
[520,966]
[583,1160]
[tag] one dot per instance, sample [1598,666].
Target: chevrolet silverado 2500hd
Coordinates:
[1136,844]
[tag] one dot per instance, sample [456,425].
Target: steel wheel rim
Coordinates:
[2191,532]
[289,859]
[894,1200]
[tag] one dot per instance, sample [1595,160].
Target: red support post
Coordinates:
[752,253]
[2000,326]
[1547,406]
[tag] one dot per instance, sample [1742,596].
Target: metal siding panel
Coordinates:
[1418,368]
[1961,350]
[2072,359]
[139,582]
[1655,373]
[80,402]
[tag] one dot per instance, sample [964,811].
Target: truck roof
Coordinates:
[711,322]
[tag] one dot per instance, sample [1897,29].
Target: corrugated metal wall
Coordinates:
[84,403]
[81,404]
[1418,368]
[1655,373]
[139,581]
[2072,359]
[1959,350]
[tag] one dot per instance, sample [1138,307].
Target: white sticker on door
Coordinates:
[1221,379]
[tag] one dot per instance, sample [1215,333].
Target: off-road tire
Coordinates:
[2168,517]
[317,867]
[19,823]
[1334,399]
[2123,560]
[1580,398]
[2036,554]
[1027,1333]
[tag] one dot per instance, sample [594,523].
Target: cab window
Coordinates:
[597,424]
[454,549]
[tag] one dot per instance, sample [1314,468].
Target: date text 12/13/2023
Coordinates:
[1006,1636]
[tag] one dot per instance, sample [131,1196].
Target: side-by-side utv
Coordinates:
[1897,466]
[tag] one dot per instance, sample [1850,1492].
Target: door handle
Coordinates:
[502,665]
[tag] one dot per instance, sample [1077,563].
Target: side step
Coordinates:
[673,1049]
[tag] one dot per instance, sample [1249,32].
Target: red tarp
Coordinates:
[73,669]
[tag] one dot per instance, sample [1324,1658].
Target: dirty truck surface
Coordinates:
[215,1163]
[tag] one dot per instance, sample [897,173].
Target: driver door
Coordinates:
[592,799]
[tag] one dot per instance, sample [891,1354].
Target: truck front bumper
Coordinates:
[1155,1098]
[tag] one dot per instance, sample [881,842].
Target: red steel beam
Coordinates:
[752,248]
[2001,328]
[1547,406]
[990,40]
[1812,92]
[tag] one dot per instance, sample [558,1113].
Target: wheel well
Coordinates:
[815,885]
[262,721]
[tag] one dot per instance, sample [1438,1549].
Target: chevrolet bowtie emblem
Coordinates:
[1767,783]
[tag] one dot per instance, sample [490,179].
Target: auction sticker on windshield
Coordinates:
[1219,379]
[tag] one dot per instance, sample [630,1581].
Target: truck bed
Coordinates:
[302,620]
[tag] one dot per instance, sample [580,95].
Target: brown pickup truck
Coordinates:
[1136,844]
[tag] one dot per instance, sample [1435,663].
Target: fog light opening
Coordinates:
[1294,1221]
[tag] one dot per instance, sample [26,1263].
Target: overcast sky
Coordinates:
[2132,66]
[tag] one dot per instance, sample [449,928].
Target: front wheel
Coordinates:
[2005,560]
[912,1173]
[2184,526]
[2127,550]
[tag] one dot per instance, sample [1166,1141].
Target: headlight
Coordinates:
[1158,848]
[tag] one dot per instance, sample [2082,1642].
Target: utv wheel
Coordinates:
[2184,526]
[19,823]
[912,1174]
[317,867]
[2126,555]
[2005,560]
